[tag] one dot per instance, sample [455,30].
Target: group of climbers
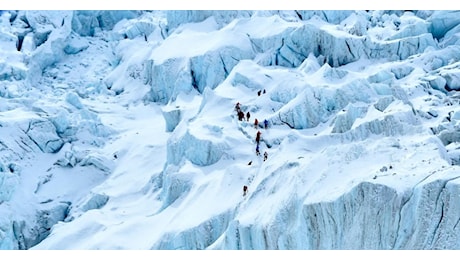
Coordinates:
[256,123]
[258,147]
[240,113]
[241,117]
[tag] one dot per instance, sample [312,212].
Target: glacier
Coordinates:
[118,129]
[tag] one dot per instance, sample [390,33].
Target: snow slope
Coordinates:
[118,129]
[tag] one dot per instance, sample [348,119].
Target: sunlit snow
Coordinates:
[118,129]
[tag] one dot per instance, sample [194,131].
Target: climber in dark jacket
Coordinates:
[237,107]
[240,115]
[258,137]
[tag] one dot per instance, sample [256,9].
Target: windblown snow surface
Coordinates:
[118,129]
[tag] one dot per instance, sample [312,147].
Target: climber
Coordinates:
[264,92]
[237,107]
[257,150]
[245,190]
[265,156]
[258,92]
[258,137]
[240,115]
[449,116]
[266,123]
[248,115]
[256,123]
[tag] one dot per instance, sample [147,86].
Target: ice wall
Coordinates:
[371,216]
[190,70]
[177,17]
[89,22]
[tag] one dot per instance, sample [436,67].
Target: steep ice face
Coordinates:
[176,18]
[442,22]
[185,70]
[9,176]
[88,23]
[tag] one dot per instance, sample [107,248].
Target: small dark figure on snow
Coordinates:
[240,115]
[256,123]
[257,150]
[265,156]
[245,190]
[264,91]
[259,92]
[250,162]
[266,123]
[258,137]
[248,115]
[237,107]
[449,116]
